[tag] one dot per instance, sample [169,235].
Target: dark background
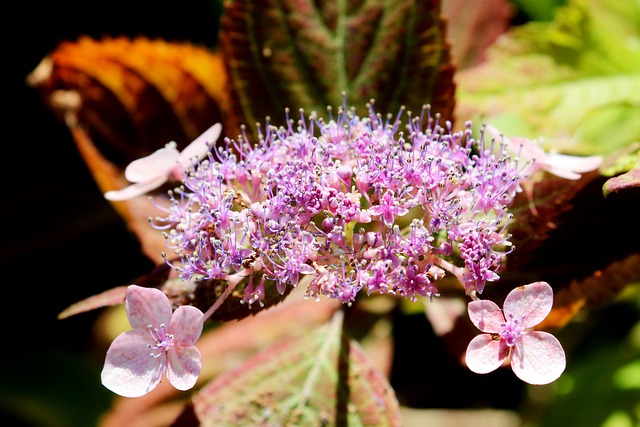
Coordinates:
[62,241]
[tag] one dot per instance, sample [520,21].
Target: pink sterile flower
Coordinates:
[536,357]
[561,165]
[149,173]
[160,341]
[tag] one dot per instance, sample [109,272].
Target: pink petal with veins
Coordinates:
[186,325]
[538,358]
[486,315]
[484,354]
[532,303]
[147,306]
[183,367]
[129,370]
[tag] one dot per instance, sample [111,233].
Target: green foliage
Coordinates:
[574,81]
[538,10]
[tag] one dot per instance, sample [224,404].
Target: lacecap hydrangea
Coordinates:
[377,203]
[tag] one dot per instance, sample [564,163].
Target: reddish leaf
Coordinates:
[204,294]
[136,211]
[111,297]
[201,294]
[123,99]
[626,180]
[321,375]
[551,198]
[133,96]
[473,26]
[221,349]
[304,54]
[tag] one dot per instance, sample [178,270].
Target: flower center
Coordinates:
[163,341]
[512,330]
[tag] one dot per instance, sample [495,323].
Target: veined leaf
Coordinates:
[574,81]
[305,54]
[123,99]
[473,26]
[319,378]
[133,96]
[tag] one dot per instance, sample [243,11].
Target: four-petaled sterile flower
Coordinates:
[149,173]
[160,341]
[536,356]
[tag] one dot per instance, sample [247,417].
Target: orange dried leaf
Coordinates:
[123,99]
[133,96]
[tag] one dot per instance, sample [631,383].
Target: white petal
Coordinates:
[574,163]
[135,190]
[153,166]
[200,146]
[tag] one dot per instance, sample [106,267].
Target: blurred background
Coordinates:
[65,242]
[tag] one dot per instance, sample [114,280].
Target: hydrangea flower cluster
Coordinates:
[352,202]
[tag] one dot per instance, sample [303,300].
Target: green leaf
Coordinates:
[538,10]
[320,378]
[574,81]
[305,54]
